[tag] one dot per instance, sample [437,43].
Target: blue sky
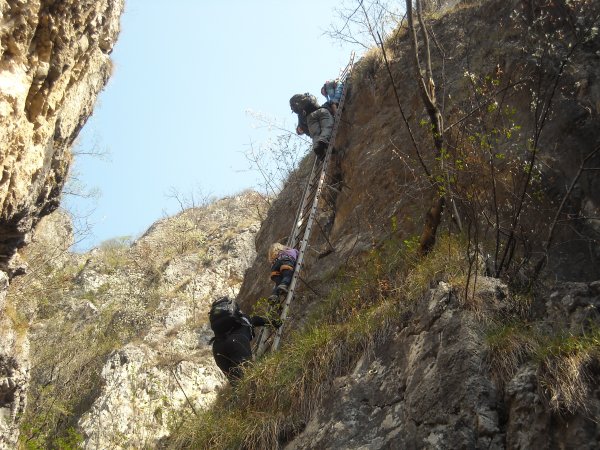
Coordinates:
[174,114]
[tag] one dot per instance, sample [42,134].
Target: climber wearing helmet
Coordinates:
[314,120]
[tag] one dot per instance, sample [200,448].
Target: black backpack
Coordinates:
[304,103]
[224,316]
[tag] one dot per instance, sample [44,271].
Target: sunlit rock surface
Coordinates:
[54,60]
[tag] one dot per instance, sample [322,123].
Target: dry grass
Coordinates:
[20,324]
[447,262]
[567,364]
[568,370]
[510,345]
[366,69]
[279,393]
[566,381]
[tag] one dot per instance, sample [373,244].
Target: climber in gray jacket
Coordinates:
[314,120]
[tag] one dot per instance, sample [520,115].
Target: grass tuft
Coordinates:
[566,370]
[510,345]
[567,364]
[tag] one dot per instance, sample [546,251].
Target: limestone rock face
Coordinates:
[127,323]
[14,371]
[418,391]
[429,387]
[140,395]
[170,368]
[54,60]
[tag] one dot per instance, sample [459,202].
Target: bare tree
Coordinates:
[276,158]
[487,133]
[358,22]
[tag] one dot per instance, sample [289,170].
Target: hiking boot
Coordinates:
[276,323]
[321,149]
[282,289]
[273,300]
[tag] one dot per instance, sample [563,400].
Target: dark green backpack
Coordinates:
[304,103]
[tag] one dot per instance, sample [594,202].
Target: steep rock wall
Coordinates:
[119,335]
[375,167]
[54,60]
[429,387]
[170,368]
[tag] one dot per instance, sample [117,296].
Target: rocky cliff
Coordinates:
[490,340]
[169,367]
[54,60]
[429,385]
[119,336]
[430,352]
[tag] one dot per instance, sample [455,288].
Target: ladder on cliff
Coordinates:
[306,217]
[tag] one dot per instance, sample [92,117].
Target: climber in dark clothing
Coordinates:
[314,120]
[232,350]
[233,332]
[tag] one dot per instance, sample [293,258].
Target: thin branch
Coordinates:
[543,260]
[183,391]
[481,105]
[404,119]
[540,120]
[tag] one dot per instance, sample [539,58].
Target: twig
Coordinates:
[474,110]
[184,394]
[540,121]
[544,259]
[412,137]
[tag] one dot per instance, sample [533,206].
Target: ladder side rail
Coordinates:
[300,218]
[338,116]
[307,198]
[301,223]
[305,195]
[298,228]
[305,205]
[307,232]
[300,260]
[344,78]
[300,215]
[344,73]
[303,220]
